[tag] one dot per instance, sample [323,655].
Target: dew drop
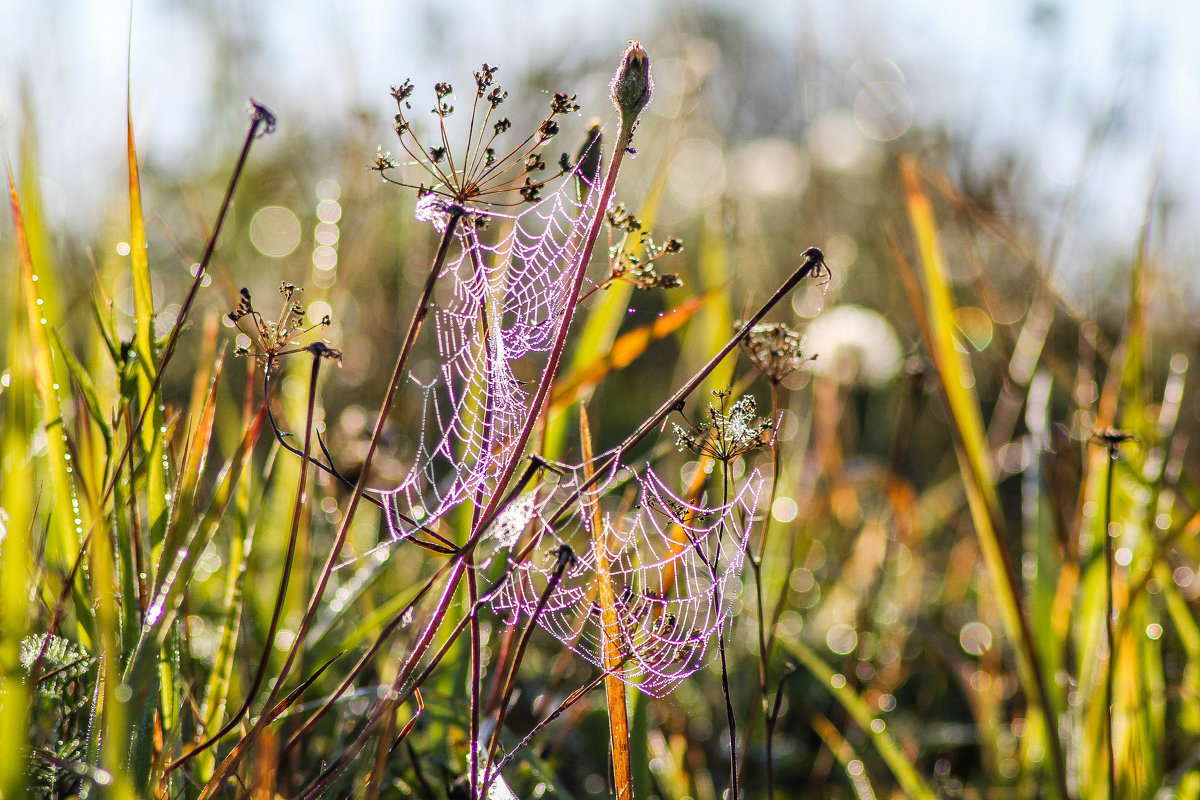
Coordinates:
[975,638]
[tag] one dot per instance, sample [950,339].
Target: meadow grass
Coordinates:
[972,575]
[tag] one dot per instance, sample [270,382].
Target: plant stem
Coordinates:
[717,599]
[284,579]
[410,339]
[499,497]
[565,559]
[571,700]
[764,654]
[812,260]
[394,697]
[331,561]
[1109,626]
[259,118]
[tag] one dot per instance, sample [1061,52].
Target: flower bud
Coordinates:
[587,161]
[631,85]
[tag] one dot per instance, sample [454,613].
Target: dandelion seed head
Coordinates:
[855,345]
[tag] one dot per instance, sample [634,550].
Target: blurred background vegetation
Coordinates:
[1062,197]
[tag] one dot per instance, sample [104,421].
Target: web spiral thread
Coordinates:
[504,300]
[673,567]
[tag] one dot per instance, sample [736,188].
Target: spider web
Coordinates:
[673,567]
[503,300]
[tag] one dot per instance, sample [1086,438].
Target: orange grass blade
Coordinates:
[625,350]
[614,689]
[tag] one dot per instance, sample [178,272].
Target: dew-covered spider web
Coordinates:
[672,566]
[668,568]
[501,297]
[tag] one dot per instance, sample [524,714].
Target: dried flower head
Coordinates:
[271,340]
[483,169]
[633,254]
[731,430]
[774,348]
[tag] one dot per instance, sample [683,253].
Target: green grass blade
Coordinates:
[87,388]
[176,568]
[17,510]
[881,738]
[65,515]
[639,743]
[716,321]
[235,601]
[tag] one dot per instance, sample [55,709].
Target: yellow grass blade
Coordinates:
[144,347]
[16,553]
[936,311]
[881,738]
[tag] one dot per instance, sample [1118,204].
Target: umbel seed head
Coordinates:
[631,85]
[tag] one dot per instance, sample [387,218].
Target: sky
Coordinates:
[1097,99]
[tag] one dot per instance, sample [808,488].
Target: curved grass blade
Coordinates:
[935,310]
[87,388]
